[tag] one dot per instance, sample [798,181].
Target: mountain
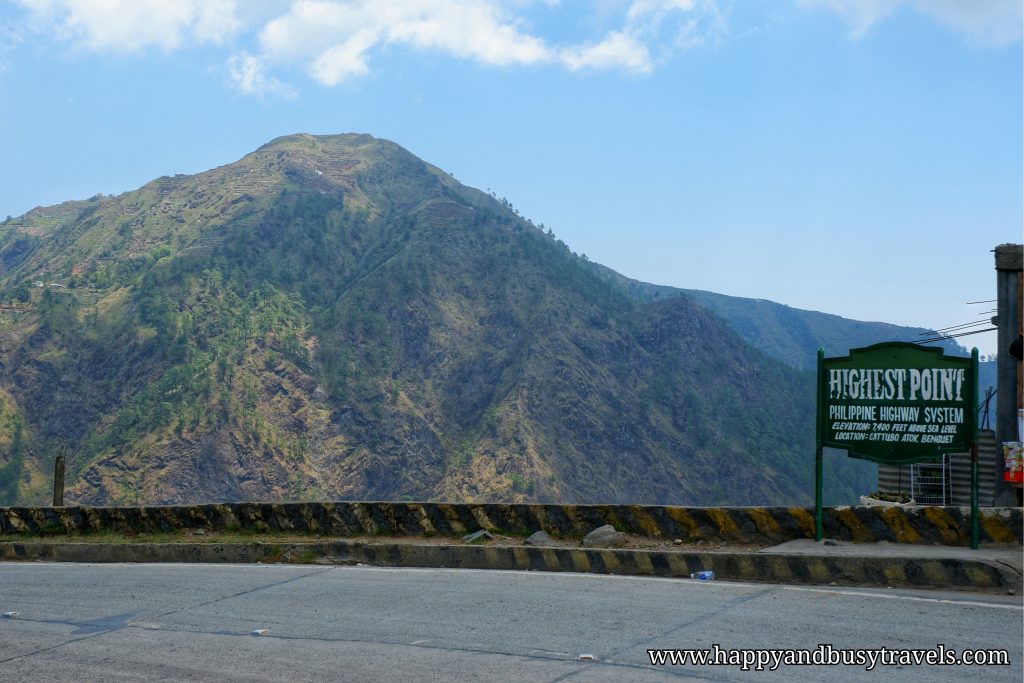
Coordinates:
[791,335]
[332,318]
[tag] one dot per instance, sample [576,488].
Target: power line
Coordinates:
[954,327]
[951,336]
[987,301]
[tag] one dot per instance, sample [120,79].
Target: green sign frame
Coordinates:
[897,403]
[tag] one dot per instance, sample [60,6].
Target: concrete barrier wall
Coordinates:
[929,525]
[841,570]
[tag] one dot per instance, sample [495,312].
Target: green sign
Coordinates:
[897,403]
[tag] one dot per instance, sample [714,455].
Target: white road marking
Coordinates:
[902,597]
[701,585]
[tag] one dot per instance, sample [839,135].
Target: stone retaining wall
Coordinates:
[929,525]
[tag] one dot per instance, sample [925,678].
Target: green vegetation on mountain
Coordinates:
[333,318]
[791,335]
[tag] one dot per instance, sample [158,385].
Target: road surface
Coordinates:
[172,622]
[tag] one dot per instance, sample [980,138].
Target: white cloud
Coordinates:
[994,22]
[641,10]
[343,61]
[471,30]
[249,75]
[309,28]
[336,40]
[337,37]
[988,22]
[666,26]
[132,25]
[216,21]
[618,49]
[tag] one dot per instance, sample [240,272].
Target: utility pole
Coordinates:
[1009,264]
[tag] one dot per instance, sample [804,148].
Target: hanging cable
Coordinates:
[954,327]
[951,336]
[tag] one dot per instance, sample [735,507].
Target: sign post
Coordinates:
[898,403]
[818,428]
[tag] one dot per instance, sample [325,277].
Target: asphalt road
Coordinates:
[172,622]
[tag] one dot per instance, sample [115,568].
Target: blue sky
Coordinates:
[860,157]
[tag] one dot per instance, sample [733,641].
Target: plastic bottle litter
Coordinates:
[705,575]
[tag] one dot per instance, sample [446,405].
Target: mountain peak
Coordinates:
[310,141]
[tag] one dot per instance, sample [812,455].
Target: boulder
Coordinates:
[539,538]
[605,536]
